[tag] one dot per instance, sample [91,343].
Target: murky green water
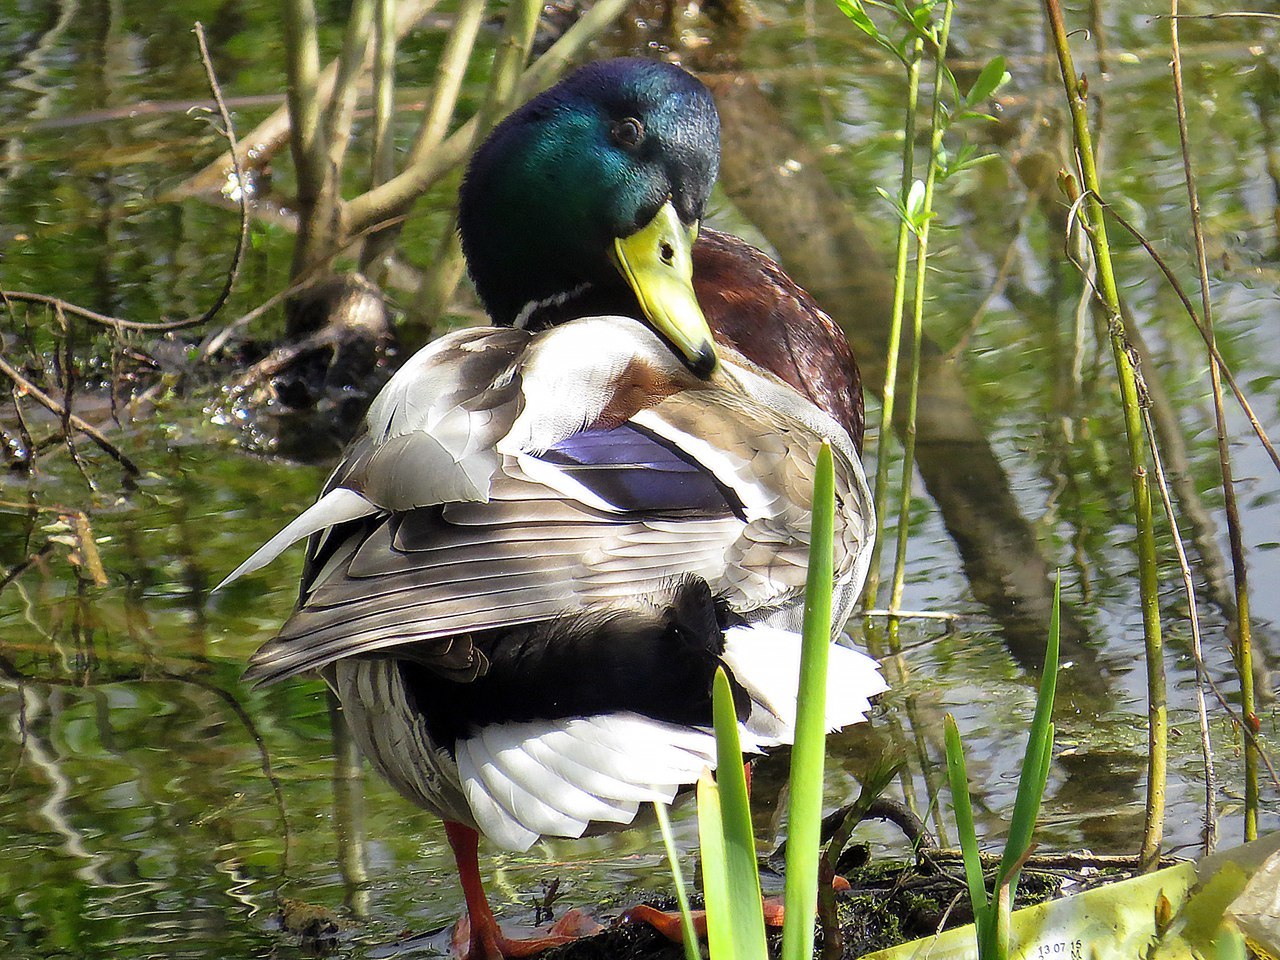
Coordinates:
[151,805]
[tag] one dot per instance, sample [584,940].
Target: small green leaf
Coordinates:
[991,79]
[915,203]
[977,115]
[854,11]
[691,951]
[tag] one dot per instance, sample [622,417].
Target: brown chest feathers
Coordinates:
[763,314]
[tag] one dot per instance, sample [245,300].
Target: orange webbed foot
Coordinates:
[488,942]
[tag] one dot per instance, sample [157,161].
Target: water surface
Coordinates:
[152,805]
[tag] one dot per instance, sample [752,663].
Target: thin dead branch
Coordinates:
[93,433]
[262,143]
[389,198]
[1239,568]
[1217,357]
[1210,833]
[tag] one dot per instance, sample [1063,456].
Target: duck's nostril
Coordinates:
[666,252]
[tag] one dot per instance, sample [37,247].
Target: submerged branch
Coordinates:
[88,429]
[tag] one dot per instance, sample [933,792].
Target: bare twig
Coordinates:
[1230,15]
[65,366]
[316,197]
[384,92]
[88,429]
[342,105]
[444,100]
[265,140]
[1210,833]
[21,567]
[410,183]
[1239,569]
[1246,407]
[915,614]
[438,284]
[383,164]
[215,342]
[449,75]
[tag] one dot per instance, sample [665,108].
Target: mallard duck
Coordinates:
[525,570]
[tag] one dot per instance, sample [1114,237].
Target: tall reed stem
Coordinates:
[1126,369]
[1243,647]
[881,496]
[917,311]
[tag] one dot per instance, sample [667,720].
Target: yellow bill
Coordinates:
[657,261]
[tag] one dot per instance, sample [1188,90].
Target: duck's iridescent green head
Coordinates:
[595,190]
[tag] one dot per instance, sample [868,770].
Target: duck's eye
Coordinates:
[627,133]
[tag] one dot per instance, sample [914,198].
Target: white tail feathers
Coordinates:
[541,778]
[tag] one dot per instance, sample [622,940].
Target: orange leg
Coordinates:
[477,935]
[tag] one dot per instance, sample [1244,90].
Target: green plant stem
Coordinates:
[1210,832]
[691,951]
[881,496]
[917,311]
[1148,573]
[804,813]
[1239,569]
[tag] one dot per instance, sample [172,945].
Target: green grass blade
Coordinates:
[742,874]
[807,755]
[958,777]
[1036,761]
[691,951]
[715,874]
